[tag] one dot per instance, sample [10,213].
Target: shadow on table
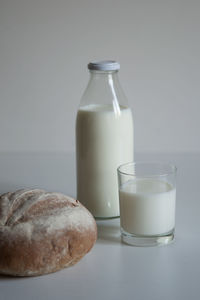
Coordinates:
[108,233]
[7,277]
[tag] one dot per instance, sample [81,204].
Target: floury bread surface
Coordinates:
[42,232]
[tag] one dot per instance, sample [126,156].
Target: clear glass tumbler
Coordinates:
[147,198]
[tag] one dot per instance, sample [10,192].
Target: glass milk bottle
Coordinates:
[104,139]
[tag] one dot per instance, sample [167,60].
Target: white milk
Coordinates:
[104,141]
[147,207]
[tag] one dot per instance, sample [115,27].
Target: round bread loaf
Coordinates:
[42,232]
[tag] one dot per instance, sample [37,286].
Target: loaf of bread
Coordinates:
[42,232]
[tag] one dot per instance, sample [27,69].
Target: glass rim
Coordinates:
[103,71]
[144,163]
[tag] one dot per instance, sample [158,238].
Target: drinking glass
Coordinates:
[147,200]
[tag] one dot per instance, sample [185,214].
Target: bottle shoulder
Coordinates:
[104,90]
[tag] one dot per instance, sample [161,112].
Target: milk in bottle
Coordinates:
[104,140]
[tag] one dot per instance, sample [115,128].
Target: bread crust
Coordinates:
[42,232]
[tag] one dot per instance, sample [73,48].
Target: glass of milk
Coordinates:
[147,199]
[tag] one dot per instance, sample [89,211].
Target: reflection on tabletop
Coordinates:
[109,231]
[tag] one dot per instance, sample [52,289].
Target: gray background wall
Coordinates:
[45,46]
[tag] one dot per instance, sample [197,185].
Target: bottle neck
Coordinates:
[104,75]
[106,80]
[104,89]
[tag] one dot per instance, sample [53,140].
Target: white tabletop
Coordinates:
[112,270]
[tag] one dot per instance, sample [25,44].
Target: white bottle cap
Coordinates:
[105,65]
